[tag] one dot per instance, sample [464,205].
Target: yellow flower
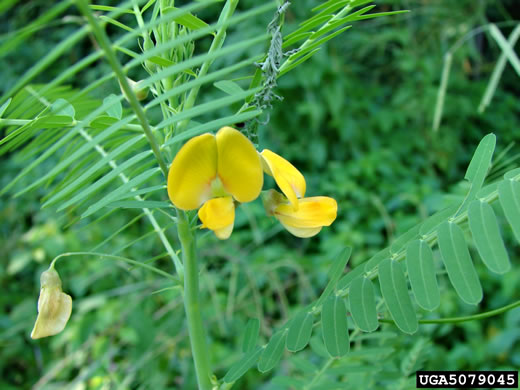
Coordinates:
[287,177]
[211,171]
[54,306]
[313,213]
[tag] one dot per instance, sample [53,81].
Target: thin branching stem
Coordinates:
[456,320]
[117,258]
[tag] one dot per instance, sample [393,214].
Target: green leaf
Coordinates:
[272,352]
[188,20]
[379,14]
[116,23]
[346,280]
[63,107]
[335,327]
[301,60]
[81,151]
[229,87]
[332,7]
[142,191]
[293,38]
[238,369]
[120,190]
[115,109]
[509,196]
[421,272]
[103,122]
[486,235]
[314,22]
[512,174]
[363,304]
[403,239]
[213,125]
[313,45]
[195,61]
[105,179]
[487,190]
[4,106]
[358,3]
[330,3]
[375,260]
[251,335]
[335,273]
[54,121]
[318,347]
[456,258]
[328,28]
[287,382]
[204,108]
[480,163]
[377,352]
[300,331]
[109,8]
[397,299]
[435,219]
[302,364]
[139,204]
[93,169]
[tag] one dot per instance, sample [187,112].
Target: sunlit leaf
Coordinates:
[272,352]
[396,295]
[247,361]
[509,196]
[421,272]
[300,331]
[484,228]
[251,335]
[460,268]
[335,327]
[363,304]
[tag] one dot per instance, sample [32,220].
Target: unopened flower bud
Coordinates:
[140,92]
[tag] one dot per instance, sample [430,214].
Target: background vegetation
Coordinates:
[357,120]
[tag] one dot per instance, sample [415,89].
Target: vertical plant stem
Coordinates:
[198,341]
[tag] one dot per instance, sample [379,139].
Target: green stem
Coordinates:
[199,345]
[23,122]
[118,258]
[110,55]
[455,320]
[320,373]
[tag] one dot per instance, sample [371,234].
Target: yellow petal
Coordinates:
[192,171]
[224,233]
[302,232]
[218,214]
[54,306]
[54,312]
[313,212]
[287,177]
[239,165]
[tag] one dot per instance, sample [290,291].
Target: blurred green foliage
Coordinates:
[357,120]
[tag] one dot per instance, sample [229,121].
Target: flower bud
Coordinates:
[54,306]
[140,92]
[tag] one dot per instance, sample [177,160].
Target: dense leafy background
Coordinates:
[357,120]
